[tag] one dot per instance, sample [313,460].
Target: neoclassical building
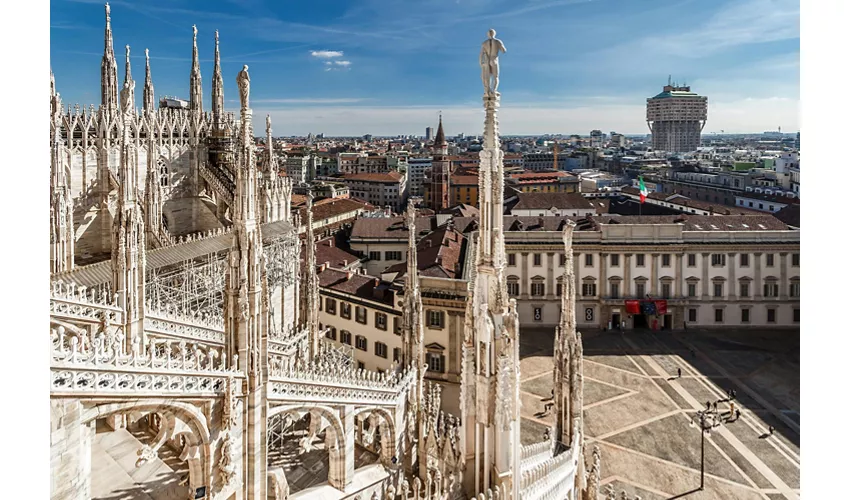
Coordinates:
[195,367]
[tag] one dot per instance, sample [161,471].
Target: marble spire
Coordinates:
[148,97]
[196,91]
[108,71]
[217,87]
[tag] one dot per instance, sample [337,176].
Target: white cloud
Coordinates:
[342,63]
[326,54]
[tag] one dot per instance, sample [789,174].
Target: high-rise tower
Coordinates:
[676,118]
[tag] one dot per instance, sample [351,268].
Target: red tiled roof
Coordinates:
[545,201]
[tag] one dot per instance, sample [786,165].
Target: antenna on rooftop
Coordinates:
[669,80]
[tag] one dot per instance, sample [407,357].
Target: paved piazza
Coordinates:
[638,411]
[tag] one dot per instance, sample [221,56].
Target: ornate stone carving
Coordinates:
[243,81]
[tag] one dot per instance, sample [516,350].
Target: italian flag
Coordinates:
[643,191]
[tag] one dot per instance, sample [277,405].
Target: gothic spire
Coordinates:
[128,92]
[440,138]
[196,102]
[217,87]
[108,71]
[148,103]
[52,83]
[567,374]
[412,335]
[271,159]
[310,283]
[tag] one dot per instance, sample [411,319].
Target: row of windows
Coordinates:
[717,260]
[745,315]
[388,255]
[436,361]
[434,318]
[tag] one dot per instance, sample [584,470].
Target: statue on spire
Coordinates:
[243,81]
[489,60]
[129,88]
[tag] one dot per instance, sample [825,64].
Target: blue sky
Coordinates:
[390,66]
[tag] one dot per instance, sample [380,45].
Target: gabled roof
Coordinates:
[545,201]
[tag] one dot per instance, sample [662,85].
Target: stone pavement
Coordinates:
[638,411]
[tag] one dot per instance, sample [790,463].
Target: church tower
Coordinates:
[108,73]
[128,227]
[61,203]
[490,402]
[440,170]
[246,304]
[196,89]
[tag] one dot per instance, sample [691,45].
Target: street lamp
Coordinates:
[707,419]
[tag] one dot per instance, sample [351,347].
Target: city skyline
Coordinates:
[382,69]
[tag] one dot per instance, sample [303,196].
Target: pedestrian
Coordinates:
[734,394]
[679,372]
[707,405]
[715,406]
[623,326]
[686,326]
[770,429]
[737,414]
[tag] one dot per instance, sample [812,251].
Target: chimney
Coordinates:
[711,210]
[323,267]
[348,275]
[344,262]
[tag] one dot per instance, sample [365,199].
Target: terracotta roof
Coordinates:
[462,210]
[464,180]
[545,201]
[328,253]
[389,177]
[683,201]
[388,227]
[360,285]
[789,215]
[332,207]
[438,254]
[541,175]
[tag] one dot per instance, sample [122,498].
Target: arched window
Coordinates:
[163,172]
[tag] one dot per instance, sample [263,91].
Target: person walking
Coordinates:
[679,372]
[737,414]
[770,430]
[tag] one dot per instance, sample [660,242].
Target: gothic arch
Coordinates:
[327,412]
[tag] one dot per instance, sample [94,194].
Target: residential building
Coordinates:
[547,182]
[416,168]
[382,190]
[537,162]
[552,204]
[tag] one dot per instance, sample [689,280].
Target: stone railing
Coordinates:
[554,477]
[206,330]
[287,340]
[69,301]
[534,454]
[201,235]
[100,363]
[329,384]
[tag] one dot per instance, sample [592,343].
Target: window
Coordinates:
[796,315]
[380,321]
[771,315]
[537,259]
[513,288]
[559,288]
[588,289]
[771,289]
[692,315]
[345,310]
[395,255]
[588,260]
[360,365]
[639,260]
[615,290]
[331,333]
[795,259]
[665,260]
[361,343]
[768,259]
[718,315]
[718,259]
[665,290]
[718,289]
[537,288]
[374,255]
[745,260]
[640,290]
[360,314]
[330,306]
[511,259]
[381,349]
[436,319]
[396,354]
[345,337]
[794,290]
[396,325]
[692,289]
[436,362]
[745,290]
[563,259]
[615,260]
[692,260]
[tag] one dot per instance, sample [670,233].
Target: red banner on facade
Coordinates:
[632,307]
[661,307]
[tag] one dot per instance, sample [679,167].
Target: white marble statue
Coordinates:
[244,83]
[489,61]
